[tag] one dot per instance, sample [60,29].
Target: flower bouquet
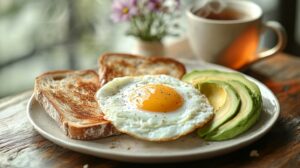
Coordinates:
[149,20]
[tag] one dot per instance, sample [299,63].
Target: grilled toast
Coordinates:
[112,65]
[68,97]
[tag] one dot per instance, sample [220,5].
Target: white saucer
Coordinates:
[126,148]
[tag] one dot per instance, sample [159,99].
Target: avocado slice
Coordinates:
[251,102]
[244,119]
[198,76]
[224,100]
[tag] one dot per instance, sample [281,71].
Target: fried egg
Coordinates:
[153,107]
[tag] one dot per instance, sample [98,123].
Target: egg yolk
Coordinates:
[156,98]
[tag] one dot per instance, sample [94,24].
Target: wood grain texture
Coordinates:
[22,146]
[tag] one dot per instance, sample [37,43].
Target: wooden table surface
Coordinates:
[22,146]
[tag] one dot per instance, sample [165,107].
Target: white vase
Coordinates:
[149,48]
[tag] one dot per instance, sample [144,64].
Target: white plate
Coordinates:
[126,148]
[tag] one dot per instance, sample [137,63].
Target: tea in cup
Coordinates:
[230,35]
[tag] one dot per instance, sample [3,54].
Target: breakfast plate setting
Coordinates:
[138,146]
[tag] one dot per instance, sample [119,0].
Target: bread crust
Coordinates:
[120,66]
[95,127]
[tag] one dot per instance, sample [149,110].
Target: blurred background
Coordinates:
[41,35]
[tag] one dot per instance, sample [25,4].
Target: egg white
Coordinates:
[113,99]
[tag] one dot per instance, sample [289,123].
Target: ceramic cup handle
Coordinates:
[281,39]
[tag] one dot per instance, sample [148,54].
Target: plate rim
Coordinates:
[125,156]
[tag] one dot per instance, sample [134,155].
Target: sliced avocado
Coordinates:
[224,100]
[250,108]
[198,76]
[244,119]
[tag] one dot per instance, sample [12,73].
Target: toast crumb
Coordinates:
[254,153]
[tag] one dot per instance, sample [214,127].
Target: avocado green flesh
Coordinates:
[200,75]
[225,108]
[250,103]
[244,119]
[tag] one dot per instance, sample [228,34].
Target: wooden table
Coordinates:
[22,146]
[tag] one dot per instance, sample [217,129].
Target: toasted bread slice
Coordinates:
[112,65]
[68,97]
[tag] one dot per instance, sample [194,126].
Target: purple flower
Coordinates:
[123,10]
[155,5]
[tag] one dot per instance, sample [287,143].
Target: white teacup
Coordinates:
[231,40]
